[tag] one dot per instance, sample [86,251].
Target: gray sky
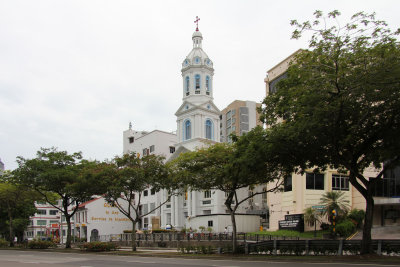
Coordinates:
[73,74]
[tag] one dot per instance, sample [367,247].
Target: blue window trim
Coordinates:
[187,85]
[209,123]
[197,77]
[208,83]
[184,133]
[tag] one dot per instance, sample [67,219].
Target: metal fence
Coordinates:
[320,247]
[176,236]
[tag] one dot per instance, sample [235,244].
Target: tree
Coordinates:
[230,168]
[339,106]
[335,200]
[311,217]
[16,205]
[57,173]
[127,177]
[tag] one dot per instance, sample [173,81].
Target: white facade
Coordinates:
[145,143]
[197,117]
[45,223]
[198,125]
[222,222]
[96,217]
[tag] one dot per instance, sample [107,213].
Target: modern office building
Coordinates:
[238,118]
[1,167]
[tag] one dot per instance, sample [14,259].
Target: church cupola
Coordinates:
[198,121]
[197,71]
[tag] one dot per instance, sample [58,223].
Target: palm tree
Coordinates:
[311,217]
[335,200]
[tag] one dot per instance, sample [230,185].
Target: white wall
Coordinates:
[244,223]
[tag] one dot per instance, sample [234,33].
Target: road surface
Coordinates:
[17,258]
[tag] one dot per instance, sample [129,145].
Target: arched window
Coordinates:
[187,131]
[187,84]
[208,83]
[209,129]
[197,81]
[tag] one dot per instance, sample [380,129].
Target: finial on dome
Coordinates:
[130,125]
[197,23]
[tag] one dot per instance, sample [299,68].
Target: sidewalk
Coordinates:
[384,232]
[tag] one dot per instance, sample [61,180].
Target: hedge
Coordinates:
[40,244]
[99,246]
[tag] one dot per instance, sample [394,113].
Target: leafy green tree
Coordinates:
[127,177]
[357,216]
[16,205]
[312,217]
[335,200]
[339,106]
[230,168]
[67,177]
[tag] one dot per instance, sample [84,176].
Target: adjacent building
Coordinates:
[303,191]
[1,167]
[238,118]
[45,223]
[96,218]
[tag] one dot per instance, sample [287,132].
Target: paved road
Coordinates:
[15,258]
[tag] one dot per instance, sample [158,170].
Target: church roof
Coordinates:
[197,53]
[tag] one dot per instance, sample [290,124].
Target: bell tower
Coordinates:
[198,117]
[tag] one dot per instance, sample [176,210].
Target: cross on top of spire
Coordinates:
[197,23]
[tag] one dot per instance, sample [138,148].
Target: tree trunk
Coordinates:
[315,228]
[68,243]
[133,235]
[10,225]
[234,240]
[369,213]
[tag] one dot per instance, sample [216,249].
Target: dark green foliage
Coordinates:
[340,103]
[345,228]
[357,216]
[4,243]
[59,175]
[40,244]
[130,175]
[324,226]
[99,246]
[229,168]
[16,205]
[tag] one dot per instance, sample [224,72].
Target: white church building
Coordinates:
[198,125]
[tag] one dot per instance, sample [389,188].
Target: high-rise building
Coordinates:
[1,167]
[238,118]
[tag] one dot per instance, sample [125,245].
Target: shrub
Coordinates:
[99,246]
[357,216]
[324,226]
[345,228]
[160,231]
[3,243]
[40,244]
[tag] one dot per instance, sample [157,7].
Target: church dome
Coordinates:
[197,34]
[197,56]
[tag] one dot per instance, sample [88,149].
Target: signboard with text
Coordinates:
[293,222]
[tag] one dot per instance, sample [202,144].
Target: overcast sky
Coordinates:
[73,74]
